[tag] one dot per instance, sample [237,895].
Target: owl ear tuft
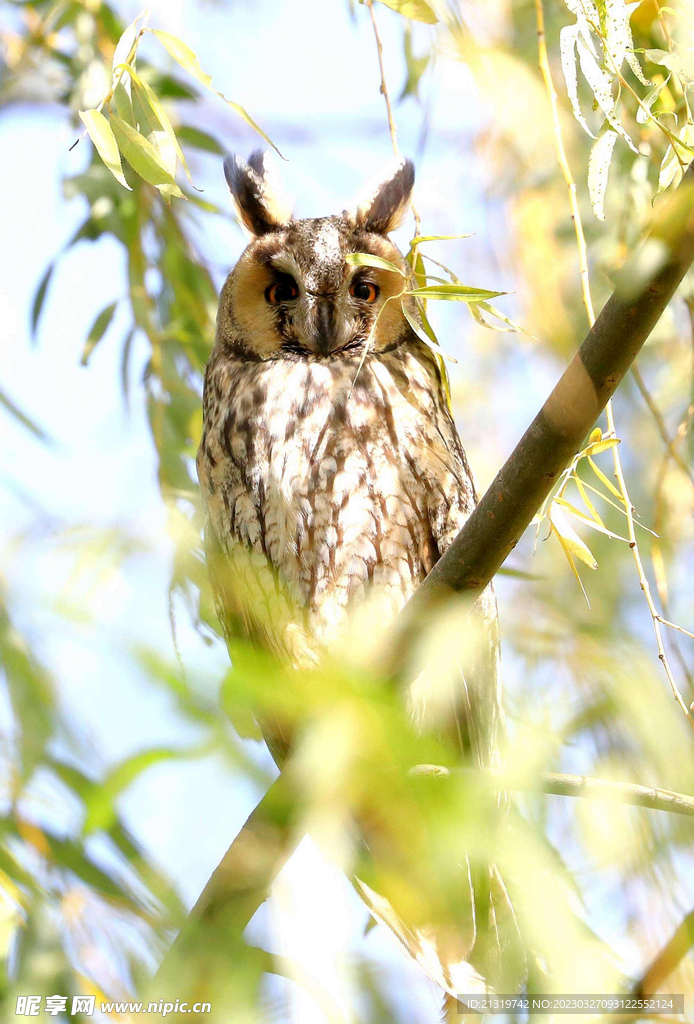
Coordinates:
[384,206]
[259,203]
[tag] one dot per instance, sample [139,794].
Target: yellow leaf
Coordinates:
[419,331]
[144,158]
[367,259]
[603,479]
[569,538]
[587,520]
[417,10]
[189,61]
[149,96]
[596,447]
[455,292]
[572,564]
[586,500]
[418,239]
[99,131]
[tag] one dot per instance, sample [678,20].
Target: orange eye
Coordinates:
[367,291]
[281,291]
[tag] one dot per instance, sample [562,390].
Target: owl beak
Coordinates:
[326,338]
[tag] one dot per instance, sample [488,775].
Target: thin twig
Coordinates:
[384,88]
[673,625]
[392,126]
[563,161]
[588,302]
[643,580]
[657,559]
[564,784]
[660,423]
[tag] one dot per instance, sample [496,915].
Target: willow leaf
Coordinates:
[101,134]
[188,60]
[143,157]
[367,259]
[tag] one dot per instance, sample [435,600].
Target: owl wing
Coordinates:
[249,600]
[472,708]
[477,724]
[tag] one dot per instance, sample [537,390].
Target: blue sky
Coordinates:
[308,74]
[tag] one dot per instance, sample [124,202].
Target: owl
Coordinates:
[330,468]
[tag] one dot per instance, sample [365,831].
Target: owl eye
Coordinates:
[364,290]
[281,291]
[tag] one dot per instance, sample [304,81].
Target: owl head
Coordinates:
[292,293]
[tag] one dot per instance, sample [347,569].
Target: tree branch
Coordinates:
[659,970]
[563,784]
[668,959]
[240,883]
[557,432]
[237,887]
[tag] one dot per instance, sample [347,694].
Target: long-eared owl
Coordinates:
[331,470]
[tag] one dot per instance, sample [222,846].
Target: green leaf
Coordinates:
[670,169]
[642,114]
[678,154]
[419,331]
[455,292]
[568,41]
[199,139]
[144,118]
[101,812]
[125,46]
[417,10]
[519,574]
[125,366]
[123,104]
[416,66]
[599,169]
[30,690]
[143,157]
[188,60]
[683,66]
[98,329]
[511,325]
[40,298]
[418,239]
[21,417]
[149,99]
[67,854]
[367,259]
[99,131]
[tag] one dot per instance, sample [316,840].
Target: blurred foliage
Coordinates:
[85,910]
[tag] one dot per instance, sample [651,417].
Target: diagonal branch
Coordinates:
[240,884]
[665,962]
[668,959]
[558,430]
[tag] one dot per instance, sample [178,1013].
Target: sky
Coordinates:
[310,78]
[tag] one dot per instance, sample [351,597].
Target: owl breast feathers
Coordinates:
[331,471]
[330,467]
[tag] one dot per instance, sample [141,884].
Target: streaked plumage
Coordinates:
[330,467]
